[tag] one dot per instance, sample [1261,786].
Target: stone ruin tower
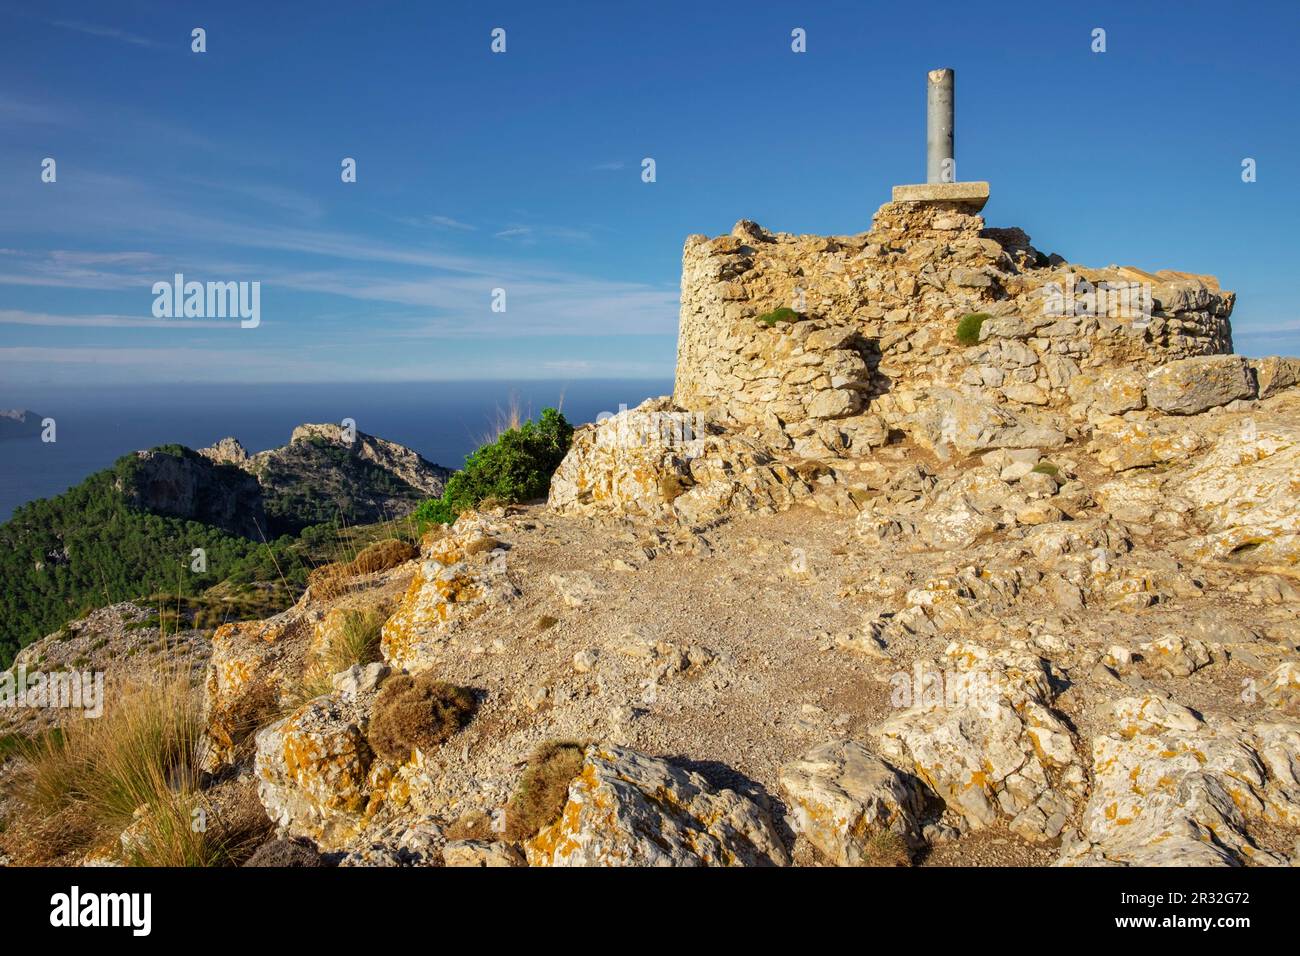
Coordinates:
[825,344]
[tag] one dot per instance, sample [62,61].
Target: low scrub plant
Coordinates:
[516,467]
[417,712]
[968,329]
[783,314]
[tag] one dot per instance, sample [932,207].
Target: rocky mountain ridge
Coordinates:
[326,473]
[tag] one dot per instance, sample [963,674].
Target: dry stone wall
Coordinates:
[878,314]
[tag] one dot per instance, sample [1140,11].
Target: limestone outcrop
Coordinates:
[626,809]
[1173,789]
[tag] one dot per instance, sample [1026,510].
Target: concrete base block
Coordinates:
[974,194]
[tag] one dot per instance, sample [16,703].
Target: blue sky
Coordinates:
[523,170]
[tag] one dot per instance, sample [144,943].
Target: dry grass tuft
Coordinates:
[383,555]
[472,825]
[328,581]
[887,848]
[417,713]
[331,580]
[135,767]
[543,788]
[281,852]
[356,642]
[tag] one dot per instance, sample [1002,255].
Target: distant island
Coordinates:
[19,423]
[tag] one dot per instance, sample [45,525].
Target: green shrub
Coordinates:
[783,314]
[968,329]
[516,467]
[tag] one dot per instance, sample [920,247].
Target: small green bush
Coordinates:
[968,329]
[783,314]
[516,467]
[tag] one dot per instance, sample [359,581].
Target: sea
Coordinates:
[443,421]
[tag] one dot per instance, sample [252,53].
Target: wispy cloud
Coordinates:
[393,288]
[16,111]
[440,222]
[533,234]
[1257,330]
[111,33]
[21,317]
[151,358]
[268,195]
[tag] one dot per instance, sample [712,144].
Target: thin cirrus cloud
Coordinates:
[396,290]
[532,234]
[440,222]
[50,320]
[1259,330]
[454,288]
[455,291]
[108,33]
[173,358]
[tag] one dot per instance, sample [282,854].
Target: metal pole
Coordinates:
[939,156]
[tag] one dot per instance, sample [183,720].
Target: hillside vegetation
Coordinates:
[95,545]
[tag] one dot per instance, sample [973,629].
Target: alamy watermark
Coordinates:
[59,690]
[179,299]
[935,689]
[657,429]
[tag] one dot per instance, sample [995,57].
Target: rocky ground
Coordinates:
[1087,654]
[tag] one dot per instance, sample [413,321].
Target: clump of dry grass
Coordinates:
[417,713]
[355,642]
[543,788]
[886,848]
[281,852]
[136,767]
[506,419]
[471,825]
[383,555]
[330,580]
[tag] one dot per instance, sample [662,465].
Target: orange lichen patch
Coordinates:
[234,673]
[1133,781]
[389,788]
[328,766]
[460,588]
